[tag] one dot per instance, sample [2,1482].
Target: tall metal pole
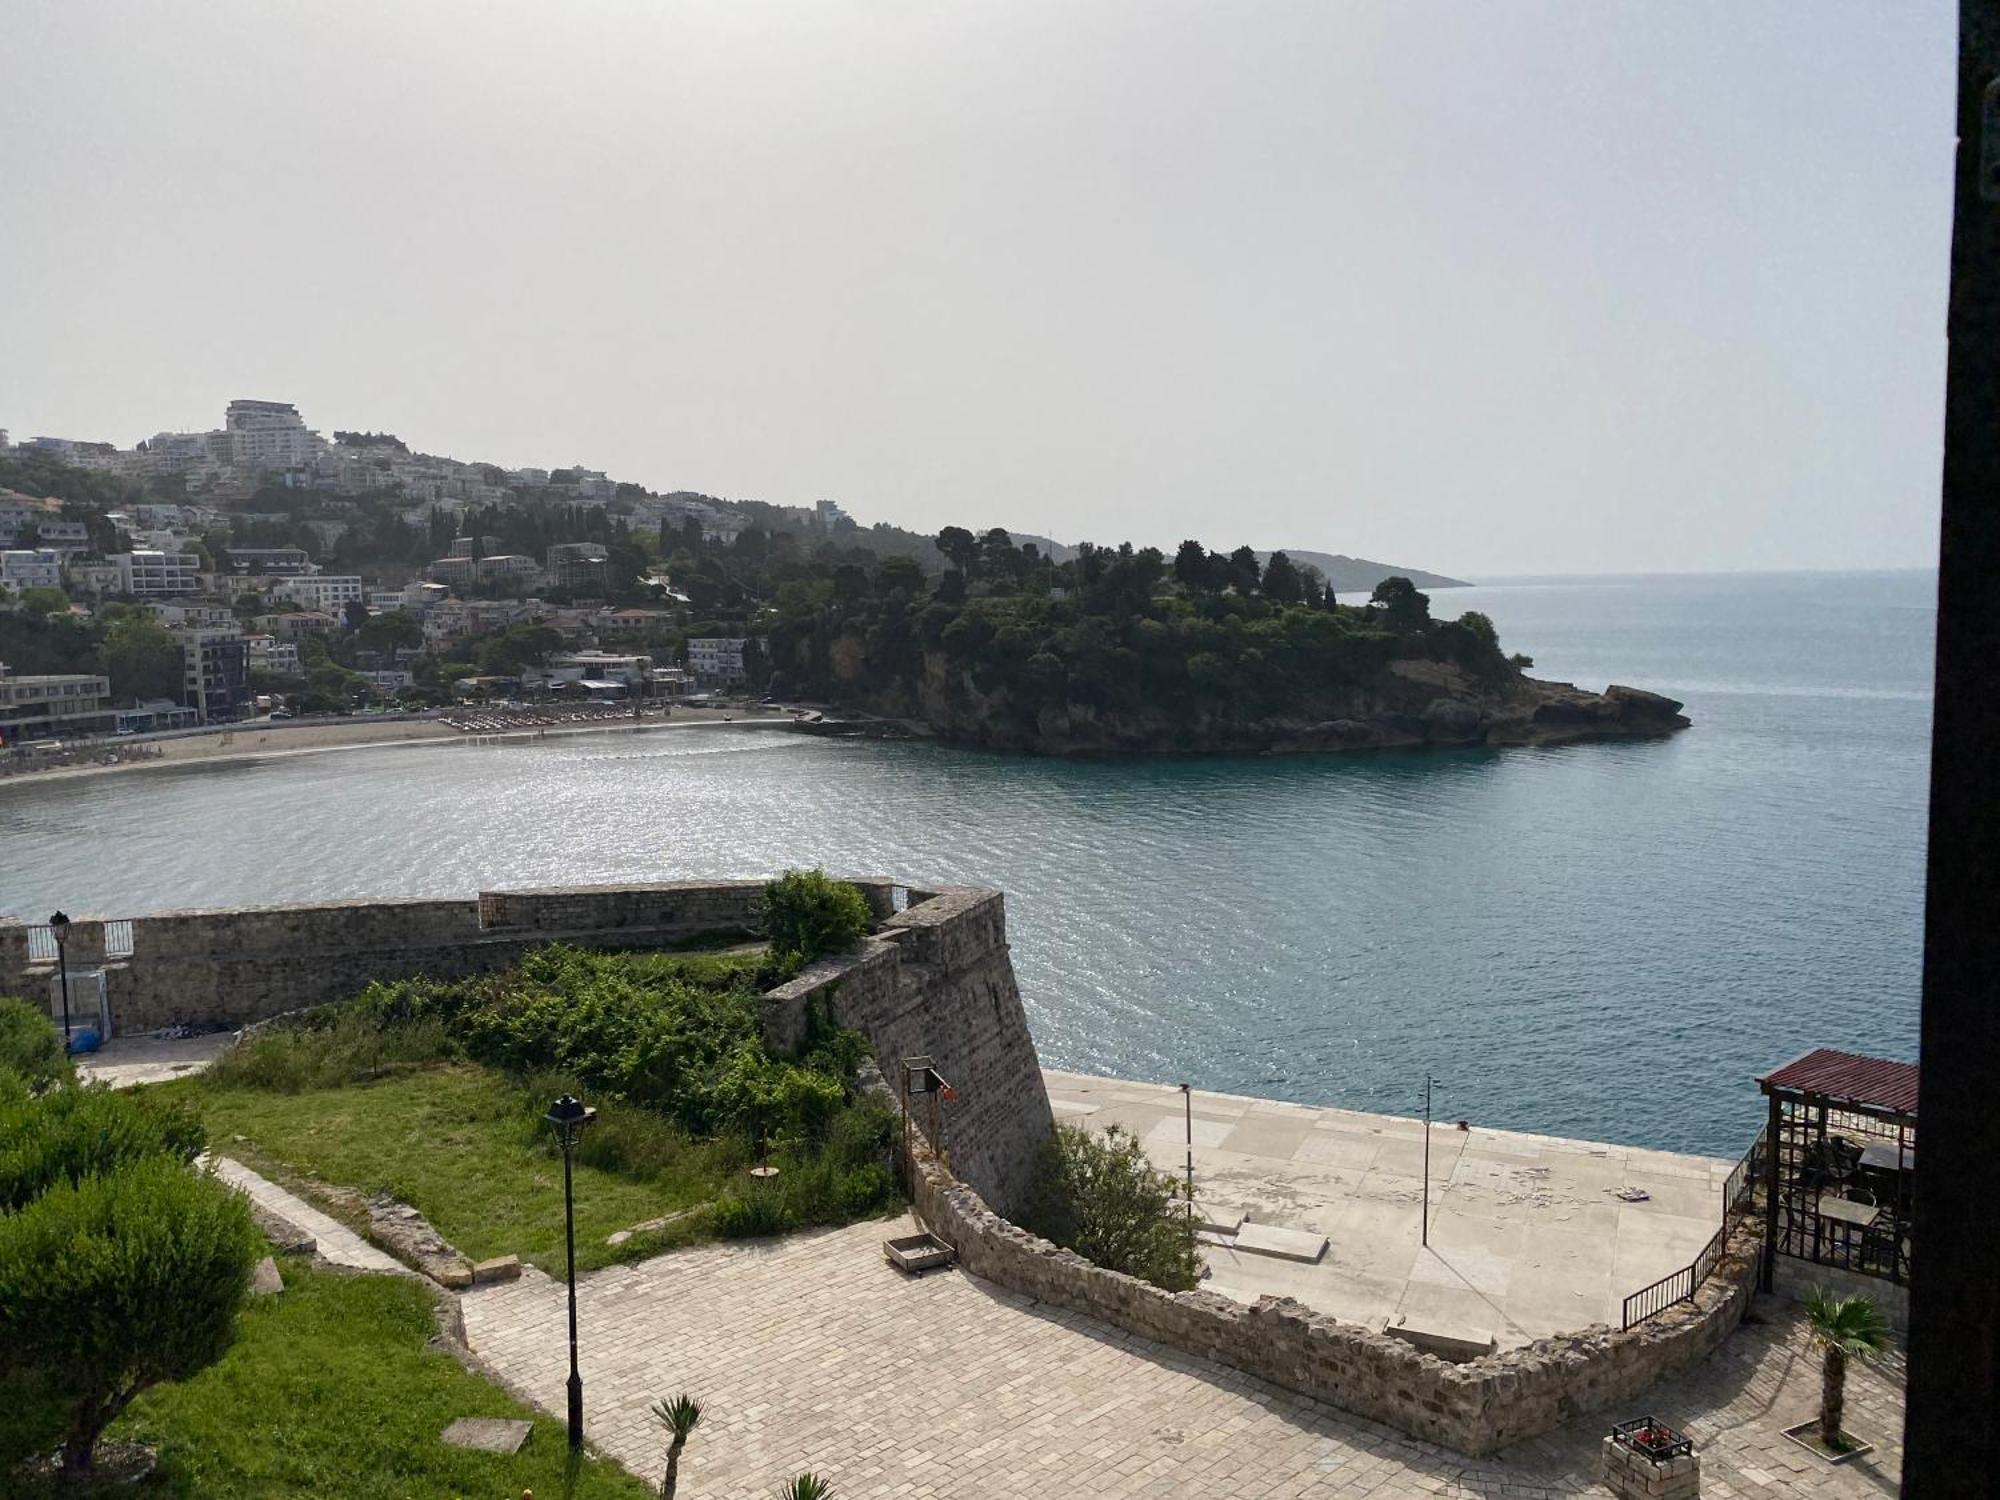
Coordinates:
[62,964]
[1428,1081]
[569,1229]
[1187,1103]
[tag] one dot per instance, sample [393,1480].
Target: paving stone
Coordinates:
[1285,1244]
[500,1268]
[488,1434]
[809,1352]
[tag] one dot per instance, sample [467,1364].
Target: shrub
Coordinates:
[119,1282]
[72,1133]
[31,1046]
[1101,1197]
[806,915]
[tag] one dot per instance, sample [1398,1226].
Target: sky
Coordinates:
[1515,288]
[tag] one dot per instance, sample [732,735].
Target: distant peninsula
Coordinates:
[1130,651]
[1359,575]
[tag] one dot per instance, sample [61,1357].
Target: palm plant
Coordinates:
[807,1487]
[680,1417]
[1842,1328]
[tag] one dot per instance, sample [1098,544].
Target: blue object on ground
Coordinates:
[86,1040]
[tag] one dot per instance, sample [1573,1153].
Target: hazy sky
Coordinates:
[1507,287]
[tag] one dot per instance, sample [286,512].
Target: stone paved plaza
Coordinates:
[811,1352]
[1527,1234]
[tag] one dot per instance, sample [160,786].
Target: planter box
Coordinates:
[1628,1472]
[917,1253]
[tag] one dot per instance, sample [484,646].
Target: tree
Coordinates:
[960,548]
[1842,1328]
[806,914]
[1099,1196]
[1244,572]
[1282,583]
[1191,567]
[40,603]
[1402,606]
[1482,626]
[118,1282]
[31,1048]
[680,1417]
[142,658]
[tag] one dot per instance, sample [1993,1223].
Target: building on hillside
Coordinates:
[22,570]
[267,435]
[93,580]
[717,661]
[385,680]
[328,592]
[295,626]
[148,573]
[830,516]
[194,616]
[267,562]
[215,674]
[270,655]
[630,624]
[23,516]
[579,565]
[473,546]
[53,706]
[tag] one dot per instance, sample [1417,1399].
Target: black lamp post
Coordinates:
[567,1117]
[59,928]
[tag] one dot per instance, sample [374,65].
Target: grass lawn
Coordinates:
[464,1145]
[329,1390]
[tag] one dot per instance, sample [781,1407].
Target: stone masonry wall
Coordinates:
[937,982]
[244,964]
[1475,1408]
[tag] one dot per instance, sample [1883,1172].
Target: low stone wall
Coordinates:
[1474,1408]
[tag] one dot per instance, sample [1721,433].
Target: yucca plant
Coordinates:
[807,1487]
[1843,1328]
[680,1417]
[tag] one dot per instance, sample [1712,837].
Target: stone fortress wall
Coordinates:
[933,980]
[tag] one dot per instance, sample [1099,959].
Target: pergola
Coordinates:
[1841,1163]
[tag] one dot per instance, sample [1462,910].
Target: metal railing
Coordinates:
[118,938]
[41,944]
[1739,1190]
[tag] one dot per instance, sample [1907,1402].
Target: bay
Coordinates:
[1604,941]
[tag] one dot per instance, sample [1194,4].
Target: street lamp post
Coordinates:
[1429,1084]
[59,927]
[567,1117]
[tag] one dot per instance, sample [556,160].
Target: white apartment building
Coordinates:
[329,592]
[39,569]
[268,435]
[718,660]
[195,616]
[147,573]
[22,518]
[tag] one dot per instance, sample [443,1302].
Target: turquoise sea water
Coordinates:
[1596,940]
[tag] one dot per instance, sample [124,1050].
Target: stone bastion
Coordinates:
[933,979]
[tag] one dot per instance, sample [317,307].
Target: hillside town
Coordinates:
[261,569]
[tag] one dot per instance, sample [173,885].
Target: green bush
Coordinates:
[1099,1196]
[69,1134]
[806,914]
[31,1046]
[118,1282]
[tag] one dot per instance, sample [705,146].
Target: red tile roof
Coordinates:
[1848,1078]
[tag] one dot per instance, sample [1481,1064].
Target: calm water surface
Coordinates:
[1597,940]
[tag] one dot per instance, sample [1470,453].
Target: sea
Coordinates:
[1605,941]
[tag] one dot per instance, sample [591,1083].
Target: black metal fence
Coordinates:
[1739,1191]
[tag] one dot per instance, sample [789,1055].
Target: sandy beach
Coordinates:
[263,740]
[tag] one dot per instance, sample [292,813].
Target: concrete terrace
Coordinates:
[1528,1236]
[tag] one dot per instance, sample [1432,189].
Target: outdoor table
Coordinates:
[1884,1156]
[1847,1210]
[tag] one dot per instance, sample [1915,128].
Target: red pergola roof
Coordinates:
[1848,1078]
